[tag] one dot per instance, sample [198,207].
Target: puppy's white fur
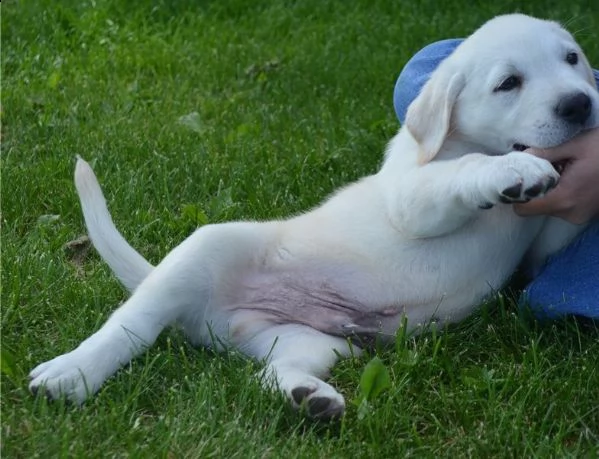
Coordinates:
[426,238]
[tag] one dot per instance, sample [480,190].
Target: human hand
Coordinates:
[576,196]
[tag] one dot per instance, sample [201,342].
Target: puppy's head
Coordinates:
[516,82]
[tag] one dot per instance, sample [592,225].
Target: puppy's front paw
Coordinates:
[73,375]
[519,177]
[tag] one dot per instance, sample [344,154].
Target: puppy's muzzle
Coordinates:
[574,108]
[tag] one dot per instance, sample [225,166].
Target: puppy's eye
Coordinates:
[572,58]
[511,82]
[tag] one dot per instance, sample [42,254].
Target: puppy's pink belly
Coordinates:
[335,306]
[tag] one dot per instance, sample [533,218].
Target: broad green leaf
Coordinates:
[375,379]
[191,213]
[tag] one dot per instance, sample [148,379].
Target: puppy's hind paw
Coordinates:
[318,401]
[65,376]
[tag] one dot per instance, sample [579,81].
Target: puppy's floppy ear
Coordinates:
[429,115]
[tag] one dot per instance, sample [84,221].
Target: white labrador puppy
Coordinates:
[426,238]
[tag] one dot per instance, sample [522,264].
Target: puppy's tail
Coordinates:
[126,263]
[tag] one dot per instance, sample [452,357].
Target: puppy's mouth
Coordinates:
[520,147]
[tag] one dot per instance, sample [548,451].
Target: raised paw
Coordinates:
[517,177]
[517,193]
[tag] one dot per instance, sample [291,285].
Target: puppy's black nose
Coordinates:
[574,108]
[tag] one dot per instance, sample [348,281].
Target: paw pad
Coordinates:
[320,407]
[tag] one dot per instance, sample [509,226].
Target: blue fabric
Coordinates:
[569,282]
[417,72]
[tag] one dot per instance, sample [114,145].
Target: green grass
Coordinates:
[207,111]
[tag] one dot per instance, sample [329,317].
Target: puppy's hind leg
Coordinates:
[171,288]
[297,359]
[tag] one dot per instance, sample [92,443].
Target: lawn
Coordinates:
[208,111]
